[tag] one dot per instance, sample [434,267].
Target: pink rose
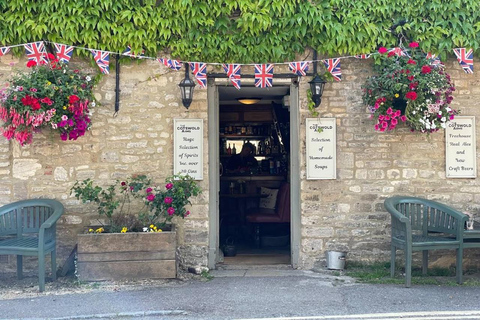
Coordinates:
[123,183]
[151,197]
[171,211]
[403,118]
[413,44]
[168,200]
[410,61]
[169,186]
[187,213]
[149,190]
[382,50]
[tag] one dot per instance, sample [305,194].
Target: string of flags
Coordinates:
[36,52]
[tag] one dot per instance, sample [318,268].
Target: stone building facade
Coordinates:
[343,214]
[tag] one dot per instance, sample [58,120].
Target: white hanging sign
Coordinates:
[188,147]
[321,148]
[460,148]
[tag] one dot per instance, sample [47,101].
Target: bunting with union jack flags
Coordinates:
[434,60]
[233,73]
[396,51]
[128,52]
[263,75]
[4,50]
[465,59]
[199,70]
[35,51]
[172,64]
[363,56]
[333,66]
[102,58]
[64,52]
[299,68]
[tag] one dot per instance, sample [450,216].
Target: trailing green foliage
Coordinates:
[241,30]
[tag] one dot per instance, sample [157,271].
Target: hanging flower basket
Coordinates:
[409,87]
[50,95]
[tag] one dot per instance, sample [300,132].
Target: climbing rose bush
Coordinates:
[50,95]
[412,88]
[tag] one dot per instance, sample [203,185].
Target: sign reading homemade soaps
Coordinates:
[460,148]
[188,144]
[321,148]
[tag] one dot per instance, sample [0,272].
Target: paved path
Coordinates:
[254,294]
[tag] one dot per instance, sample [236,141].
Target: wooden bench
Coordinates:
[28,228]
[421,225]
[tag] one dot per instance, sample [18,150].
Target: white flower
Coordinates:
[145,229]
[440,112]
[448,109]
[54,126]
[93,104]
[413,112]
[64,71]
[427,126]
[443,125]
[88,78]
[443,119]
[433,126]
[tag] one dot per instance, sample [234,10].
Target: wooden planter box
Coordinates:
[126,256]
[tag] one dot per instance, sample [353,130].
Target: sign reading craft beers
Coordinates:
[460,149]
[188,147]
[321,148]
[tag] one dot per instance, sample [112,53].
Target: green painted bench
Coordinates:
[28,228]
[422,225]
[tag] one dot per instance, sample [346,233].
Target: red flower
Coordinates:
[31,63]
[51,57]
[412,95]
[426,69]
[73,98]
[391,54]
[410,61]
[413,44]
[382,50]
[123,183]
[413,85]
[410,78]
[151,197]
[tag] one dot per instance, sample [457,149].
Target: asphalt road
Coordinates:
[294,295]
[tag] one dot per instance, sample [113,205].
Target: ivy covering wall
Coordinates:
[242,31]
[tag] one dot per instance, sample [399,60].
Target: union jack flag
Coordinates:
[333,66]
[397,51]
[434,59]
[4,50]
[299,68]
[64,52]
[233,73]
[263,75]
[102,58]
[465,58]
[363,56]
[130,53]
[199,70]
[172,64]
[36,52]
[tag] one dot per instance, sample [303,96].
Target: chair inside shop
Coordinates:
[260,217]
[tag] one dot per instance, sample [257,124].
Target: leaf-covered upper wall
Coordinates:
[241,31]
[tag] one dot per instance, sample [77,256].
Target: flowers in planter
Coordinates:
[49,95]
[409,88]
[135,205]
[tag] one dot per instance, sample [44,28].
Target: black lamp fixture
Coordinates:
[186,88]
[317,84]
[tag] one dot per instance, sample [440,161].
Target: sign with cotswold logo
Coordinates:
[188,147]
[321,148]
[461,148]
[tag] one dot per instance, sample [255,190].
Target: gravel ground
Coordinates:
[12,288]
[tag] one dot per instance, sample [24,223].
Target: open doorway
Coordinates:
[254,191]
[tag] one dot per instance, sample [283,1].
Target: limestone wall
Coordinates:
[342,214]
[347,213]
[137,141]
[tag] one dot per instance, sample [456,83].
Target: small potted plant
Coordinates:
[133,244]
[409,86]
